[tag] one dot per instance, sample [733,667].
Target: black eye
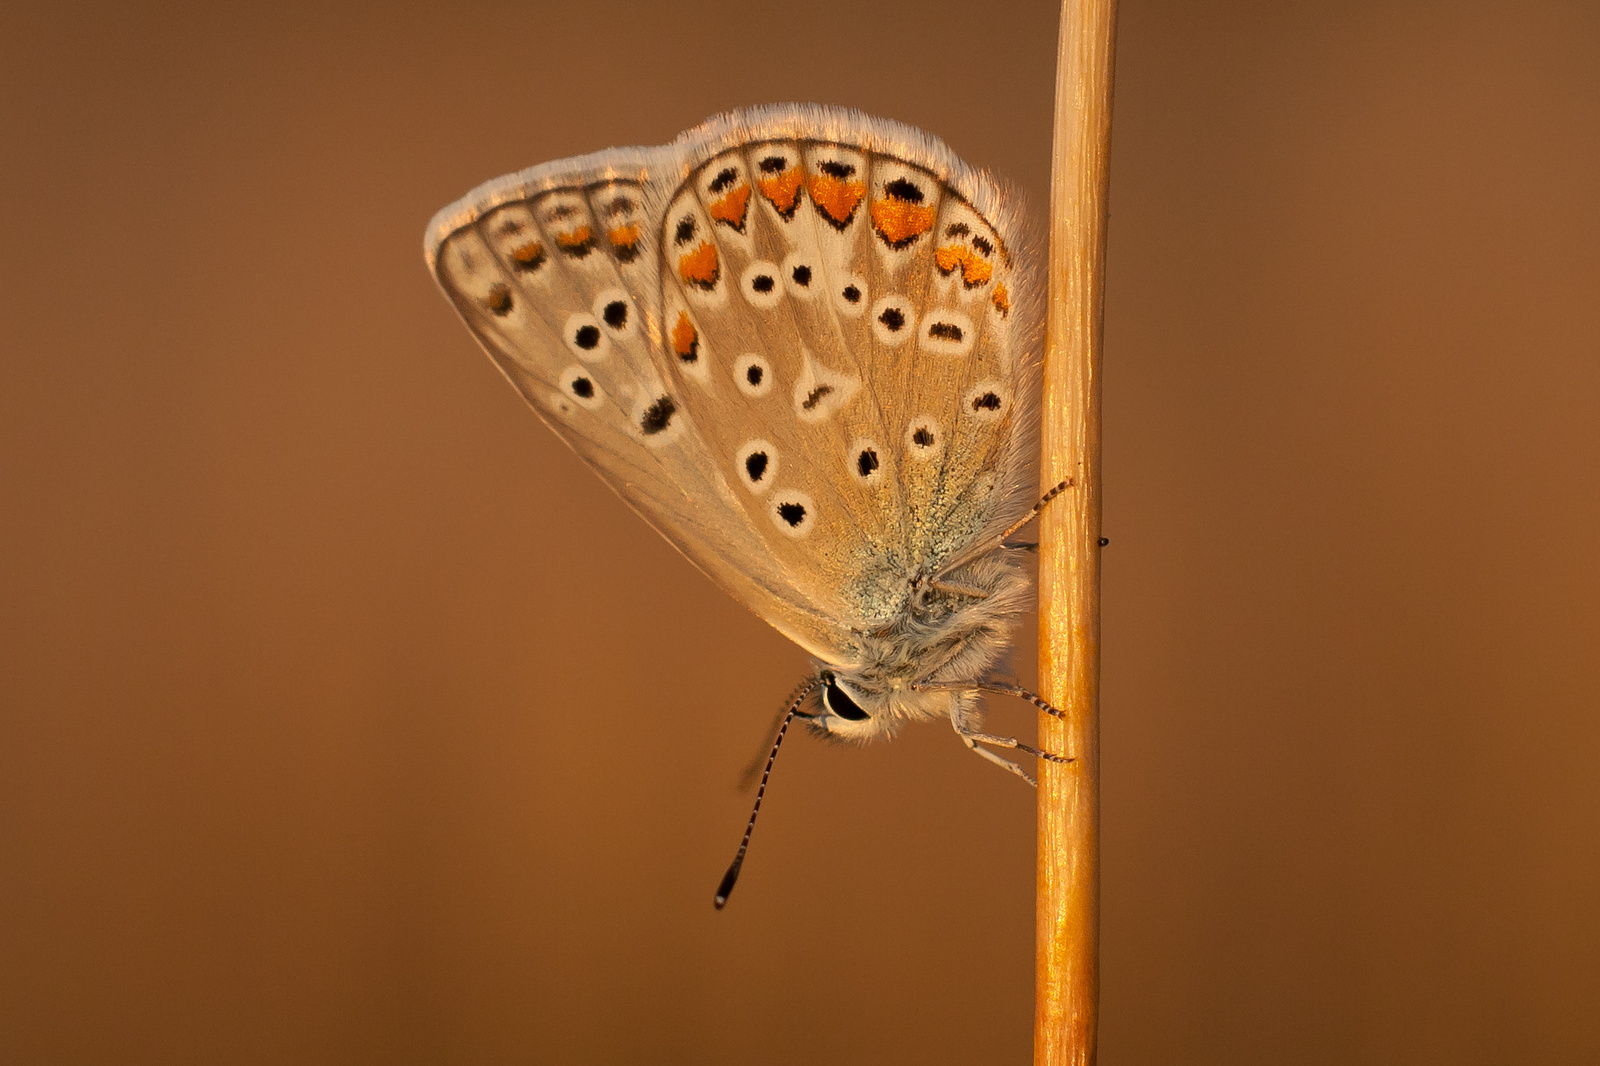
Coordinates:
[842,705]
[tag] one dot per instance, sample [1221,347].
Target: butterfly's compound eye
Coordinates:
[839,703]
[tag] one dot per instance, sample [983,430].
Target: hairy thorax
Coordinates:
[949,633]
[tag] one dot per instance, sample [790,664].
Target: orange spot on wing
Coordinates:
[575,238]
[529,256]
[975,269]
[730,210]
[899,222]
[1002,300]
[700,267]
[782,191]
[499,299]
[836,198]
[685,339]
[625,241]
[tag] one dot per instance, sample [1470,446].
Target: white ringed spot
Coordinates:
[585,337]
[614,309]
[578,384]
[986,401]
[946,332]
[761,285]
[924,439]
[792,512]
[892,320]
[757,463]
[753,374]
[850,295]
[801,276]
[864,460]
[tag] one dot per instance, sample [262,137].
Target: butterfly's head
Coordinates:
[851,707]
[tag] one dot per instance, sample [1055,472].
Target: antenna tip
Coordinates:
[725,889]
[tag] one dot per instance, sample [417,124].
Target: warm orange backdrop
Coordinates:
[346,718]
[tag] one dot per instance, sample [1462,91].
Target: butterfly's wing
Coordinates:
[797,340]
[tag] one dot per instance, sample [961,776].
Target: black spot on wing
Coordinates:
[901,189]
[816,397]
[658,416]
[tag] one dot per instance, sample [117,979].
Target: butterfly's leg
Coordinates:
[1022,694]
[999,687]
[1034,513]
[972,738]
[1014,743]
[999,761]
[999,543]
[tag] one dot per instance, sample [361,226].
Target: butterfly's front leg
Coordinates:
[1003,763]
[967,730]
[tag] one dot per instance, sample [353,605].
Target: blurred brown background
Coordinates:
[348,719]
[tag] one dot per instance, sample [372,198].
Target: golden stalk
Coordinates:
[1067,941]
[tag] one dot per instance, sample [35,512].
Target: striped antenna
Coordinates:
[725,889]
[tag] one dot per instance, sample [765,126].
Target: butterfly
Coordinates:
[804,344]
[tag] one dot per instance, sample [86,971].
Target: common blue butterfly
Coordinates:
[804,344]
